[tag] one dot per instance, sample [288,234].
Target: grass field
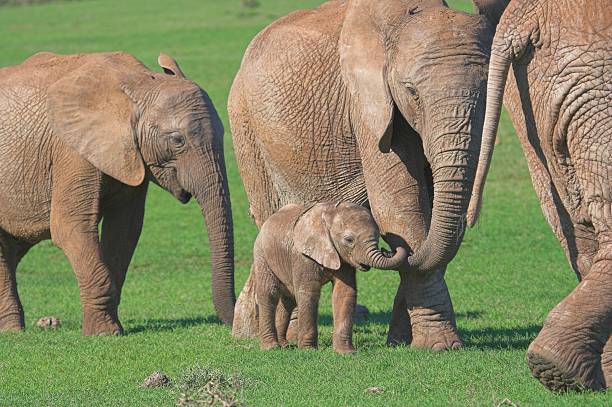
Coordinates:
[509,273]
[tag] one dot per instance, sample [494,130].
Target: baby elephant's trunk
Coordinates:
[378,259]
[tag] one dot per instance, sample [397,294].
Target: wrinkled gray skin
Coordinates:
[373,103]
[81,136]
[298,249]
[559,95]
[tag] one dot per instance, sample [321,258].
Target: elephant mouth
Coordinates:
[363,267]
[183,196]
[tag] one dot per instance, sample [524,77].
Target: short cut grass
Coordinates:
[508,275]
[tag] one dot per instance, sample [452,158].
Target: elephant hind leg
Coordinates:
[567,354]
[283,317]
[263,202]
[11,310]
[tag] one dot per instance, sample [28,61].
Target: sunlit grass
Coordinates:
[509,273]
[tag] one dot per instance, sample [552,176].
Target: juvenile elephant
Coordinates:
[81,136]
[560,100]
[370,102]
[300,248]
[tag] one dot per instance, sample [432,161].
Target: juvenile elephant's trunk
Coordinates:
[451,151]
[212,194]
[377,259]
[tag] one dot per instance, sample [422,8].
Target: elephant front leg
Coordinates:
[308,311]
[567,353]
[399,192]
[121,228]
[344,299]
[431,311]
[99,296]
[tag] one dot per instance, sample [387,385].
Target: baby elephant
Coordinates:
[298,249]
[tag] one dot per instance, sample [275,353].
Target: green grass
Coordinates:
[509,273]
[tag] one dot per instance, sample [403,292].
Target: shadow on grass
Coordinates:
[517,338]
[161,325]
[500,338]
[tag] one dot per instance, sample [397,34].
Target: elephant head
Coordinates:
[423,64]
[133,124]
[329,234]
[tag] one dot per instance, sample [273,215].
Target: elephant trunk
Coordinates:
[498,72]
[212,194]
[374,257]
[451,152]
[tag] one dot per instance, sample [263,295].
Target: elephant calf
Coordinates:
[81,136]
[298,249]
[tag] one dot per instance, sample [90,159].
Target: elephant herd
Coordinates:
[390,105]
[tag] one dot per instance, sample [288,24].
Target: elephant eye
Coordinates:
[412,90]
[349,240]
[177,140]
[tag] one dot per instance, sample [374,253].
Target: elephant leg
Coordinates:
[308,311]
[344,299]
[431,311]
[268,294]
[400,329]
[263,202]
[606,362]
[567,353]
[401,205]
[77,236]
[11,311]
[121,229]
[283,317]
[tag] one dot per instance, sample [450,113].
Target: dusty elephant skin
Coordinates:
[81,136]
[559,96]
[300,248]
[372,103]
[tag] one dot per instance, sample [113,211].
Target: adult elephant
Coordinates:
[560,100]
[377,103]
[81,137]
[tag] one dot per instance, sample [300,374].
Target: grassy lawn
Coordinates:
[509,273]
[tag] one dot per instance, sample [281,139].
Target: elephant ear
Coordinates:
[169,65]
[89,110]
[311,238]
[363,69]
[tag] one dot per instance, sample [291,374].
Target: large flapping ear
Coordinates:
[311,237]
[363,69]
[89,111]
[169,65]
[491,9]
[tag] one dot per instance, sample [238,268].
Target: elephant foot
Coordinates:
[437,339]
[561,367]
[268,345]
[292,330]
[12,323]
[100,323]
[344,348]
